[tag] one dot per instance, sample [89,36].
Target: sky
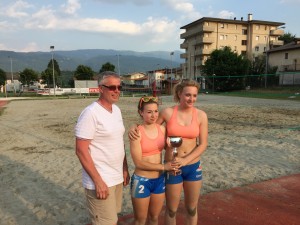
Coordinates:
[136,25]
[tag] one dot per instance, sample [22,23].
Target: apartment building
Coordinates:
[248,37]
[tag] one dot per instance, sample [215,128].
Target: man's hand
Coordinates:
[133,133]
[102,190]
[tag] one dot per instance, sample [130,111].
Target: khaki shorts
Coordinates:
[105,211]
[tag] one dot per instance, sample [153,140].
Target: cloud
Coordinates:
[43,19]
[3,46]
[71,7]
[135,2]
[4,25]
[46,19]
[102,26]
[17,9]
[159,30]
[185,8]
[31,47]
[290,1]
[153,30]
[224,14]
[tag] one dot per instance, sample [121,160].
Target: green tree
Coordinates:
[225,70]
[47,75]
[83,73]
[287,38]
[2,77]
[107,67]
[257,69]
[258,73]
[28,75]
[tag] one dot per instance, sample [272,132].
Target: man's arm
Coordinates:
[82,152]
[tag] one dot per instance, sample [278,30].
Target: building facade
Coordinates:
[247,37]
[287,60]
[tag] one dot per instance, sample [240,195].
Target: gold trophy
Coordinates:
[175,143]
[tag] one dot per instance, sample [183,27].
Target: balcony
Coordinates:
[276,32]
[184,45]
[198,31]
[204,40]
[276,43]
[208,29]
[203,52]
[183,56]
[207,40]
[190,33]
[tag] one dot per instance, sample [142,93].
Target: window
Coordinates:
[244,42]
[265,49]
[265,38]
[244,53]
[235,37]
[244,32]
[256,48]
[286,55]
[257,27]
[223,37]
[257,38]
[222,25]
[236,27]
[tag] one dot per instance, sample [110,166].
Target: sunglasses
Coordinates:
[113,87]
[147,99]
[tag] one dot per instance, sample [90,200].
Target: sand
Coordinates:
[250,140]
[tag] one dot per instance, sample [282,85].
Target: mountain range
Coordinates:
[126,61]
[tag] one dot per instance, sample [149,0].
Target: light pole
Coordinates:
[118,64]
[171,54]
[52,50]
[214,83]
[12,75]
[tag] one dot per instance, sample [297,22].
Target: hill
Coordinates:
[129,61]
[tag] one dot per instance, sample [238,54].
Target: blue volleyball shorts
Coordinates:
[142,187]
[192,172]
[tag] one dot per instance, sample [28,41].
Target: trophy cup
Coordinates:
[175,143]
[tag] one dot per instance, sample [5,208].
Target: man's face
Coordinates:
[110,89]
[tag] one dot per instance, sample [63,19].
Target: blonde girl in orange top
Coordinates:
[190,123]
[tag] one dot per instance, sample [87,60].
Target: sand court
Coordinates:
[250,140]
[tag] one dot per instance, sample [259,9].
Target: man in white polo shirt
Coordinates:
[100,148]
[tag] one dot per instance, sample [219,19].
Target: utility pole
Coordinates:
[119,72]
[52,50]
[171,54]
[12,75]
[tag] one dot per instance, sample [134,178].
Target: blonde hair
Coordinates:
[145,100]
[184,83]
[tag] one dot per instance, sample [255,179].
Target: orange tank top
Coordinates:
[174,129]
[152,146]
